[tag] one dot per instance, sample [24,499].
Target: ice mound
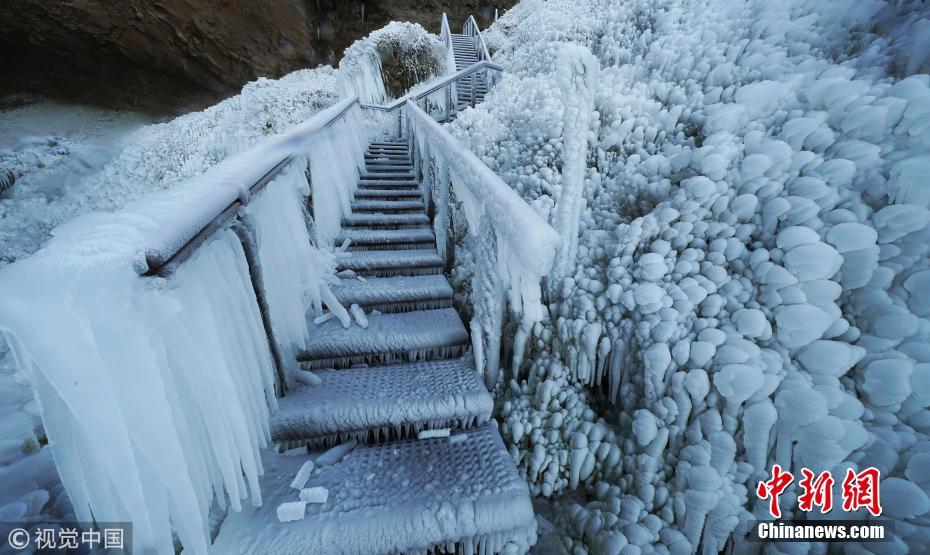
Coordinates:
[750,268]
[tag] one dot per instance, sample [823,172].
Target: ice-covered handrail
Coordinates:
[445,35]
[244,174]
[530,241]
[471,29]
[445,82]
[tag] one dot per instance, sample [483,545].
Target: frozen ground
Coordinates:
[741,192]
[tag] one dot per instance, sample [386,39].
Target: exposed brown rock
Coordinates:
[177,54]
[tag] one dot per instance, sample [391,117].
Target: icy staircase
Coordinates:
[407,373]
[470,89]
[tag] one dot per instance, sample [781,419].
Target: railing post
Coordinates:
[244,231]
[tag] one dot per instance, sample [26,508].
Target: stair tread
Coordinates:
[386,236]
[399,176]
[392,192]
[378,218]
[392,289]
[386,333]
[404,496]
[370,260]
[358,399]
[387,205]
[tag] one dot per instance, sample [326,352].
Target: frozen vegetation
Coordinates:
[746,183]
[387,63]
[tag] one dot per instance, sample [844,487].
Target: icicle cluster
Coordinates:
[515,247]
[752,265]
[335,155]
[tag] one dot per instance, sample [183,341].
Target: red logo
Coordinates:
[859,490]
[773,488]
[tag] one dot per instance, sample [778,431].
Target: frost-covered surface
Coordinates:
[46,146]
[388,62]
[351,402]
[752,265]
[161,156]
[399,497]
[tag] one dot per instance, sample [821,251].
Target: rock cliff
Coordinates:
[171,55]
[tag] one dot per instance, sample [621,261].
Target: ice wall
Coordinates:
[750,264]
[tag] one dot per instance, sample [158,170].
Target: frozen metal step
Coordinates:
[387,263]
[384,403]
[388,239]
[388,206]
[374,192]
[392,176]
[460,494]
[393,221]
[389,338]
[384,184]
[396,294]
[392,167]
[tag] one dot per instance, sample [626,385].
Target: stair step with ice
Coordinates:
[452,494]
[396,294]
[386,263]
[388,221]
[387,176]
[383,184]
[388,239]
[388,206]
[371,192]
[383,403]
[403,337]
[384,168]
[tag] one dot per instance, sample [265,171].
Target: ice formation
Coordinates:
[512,269]
[751,273]
[413,55]
[183,360]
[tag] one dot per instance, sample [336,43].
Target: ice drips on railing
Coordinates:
[524,244]
[295,276]
[154,393]
[335,156]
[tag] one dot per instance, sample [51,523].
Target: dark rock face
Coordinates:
[169,55]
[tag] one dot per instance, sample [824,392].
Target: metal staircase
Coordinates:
[406,374]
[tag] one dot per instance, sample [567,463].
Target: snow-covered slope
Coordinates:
[160,156]
[747,184]
[387,63]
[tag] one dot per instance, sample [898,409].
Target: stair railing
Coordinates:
[516,246]
[445,34]
[472,30]
[438,100]
[224,211]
